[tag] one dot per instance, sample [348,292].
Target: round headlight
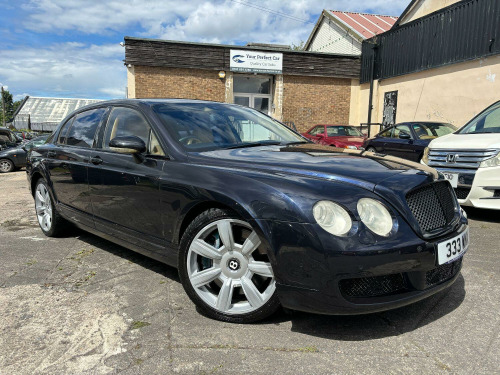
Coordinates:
[375,216]
[332,217]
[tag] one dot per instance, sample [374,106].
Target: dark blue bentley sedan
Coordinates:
[253,215]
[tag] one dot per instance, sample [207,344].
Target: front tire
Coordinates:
[6,166]
[51,223]
[371,149]
[224,270]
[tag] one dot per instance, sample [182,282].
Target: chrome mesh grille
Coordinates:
[433,205]
[467,159]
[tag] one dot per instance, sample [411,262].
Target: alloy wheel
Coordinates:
[227,270]
[43,207]
[5,166]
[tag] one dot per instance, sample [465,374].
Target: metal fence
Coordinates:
[466,30]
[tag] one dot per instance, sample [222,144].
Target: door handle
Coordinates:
[51,154]
[96,160]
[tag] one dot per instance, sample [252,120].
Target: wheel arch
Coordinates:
[9,159]
[34,179]
[196,210]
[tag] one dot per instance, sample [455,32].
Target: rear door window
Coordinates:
[84,127]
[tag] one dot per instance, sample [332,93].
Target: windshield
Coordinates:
[432,130]
[486,122]
[7,136]
[36,142]
[210,126]
[336,131]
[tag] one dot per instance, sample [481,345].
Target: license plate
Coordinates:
[452,177]
[453,248]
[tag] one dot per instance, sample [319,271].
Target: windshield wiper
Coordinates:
[296,143]
[254,144]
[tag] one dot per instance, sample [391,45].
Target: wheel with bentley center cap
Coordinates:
[224,269]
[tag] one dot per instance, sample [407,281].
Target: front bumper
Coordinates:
[478,188]
[318,274]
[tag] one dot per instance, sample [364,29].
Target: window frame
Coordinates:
[94,139]
[69,122]
[104,126]
[399,125]
[391,130]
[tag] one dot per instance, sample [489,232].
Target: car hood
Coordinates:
[357,167]
[12,150]
[466,141]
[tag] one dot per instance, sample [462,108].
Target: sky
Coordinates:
[71,48]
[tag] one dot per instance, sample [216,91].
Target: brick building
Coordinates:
[305,88]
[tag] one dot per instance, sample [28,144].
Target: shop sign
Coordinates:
[255,62]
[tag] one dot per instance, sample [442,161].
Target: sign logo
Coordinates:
[451,158]
[238,59]
[251,61]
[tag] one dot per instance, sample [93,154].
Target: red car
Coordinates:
[343,136]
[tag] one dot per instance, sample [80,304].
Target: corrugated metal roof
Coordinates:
[364,24]
[47,110]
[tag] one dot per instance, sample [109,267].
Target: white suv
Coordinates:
[470,159]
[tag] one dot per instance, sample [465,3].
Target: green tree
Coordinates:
[8,104]
[298,47]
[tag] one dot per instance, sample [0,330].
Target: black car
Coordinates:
[253,215]
[8,139]
[15,157]
[407,140]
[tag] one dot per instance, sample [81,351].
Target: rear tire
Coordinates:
[51,222]
[6,166]
[224,271]
[371,149]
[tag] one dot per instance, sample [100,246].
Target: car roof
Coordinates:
[138,102]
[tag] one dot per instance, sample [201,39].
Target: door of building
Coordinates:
[253,92]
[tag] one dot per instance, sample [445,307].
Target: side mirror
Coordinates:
[24,148]
[322,135]
[403,135]
[128,145]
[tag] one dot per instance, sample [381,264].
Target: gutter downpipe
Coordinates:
[370,99]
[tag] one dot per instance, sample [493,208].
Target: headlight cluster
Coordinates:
[491,162]
[332,217]
[375,216]
[336,220]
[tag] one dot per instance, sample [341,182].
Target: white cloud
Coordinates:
[80,70]
[195,20]
[67,69]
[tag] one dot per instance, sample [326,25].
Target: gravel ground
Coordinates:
[82,305]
